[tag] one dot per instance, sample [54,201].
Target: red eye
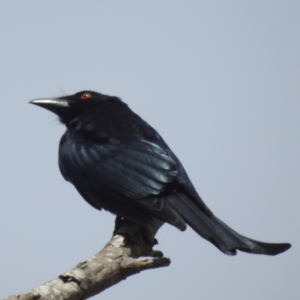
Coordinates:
[85,96]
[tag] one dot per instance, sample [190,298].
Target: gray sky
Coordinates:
[218,79]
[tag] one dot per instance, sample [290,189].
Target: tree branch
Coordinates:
[127,253]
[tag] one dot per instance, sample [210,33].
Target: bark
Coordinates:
[127,253]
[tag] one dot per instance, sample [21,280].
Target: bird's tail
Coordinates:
[217,232]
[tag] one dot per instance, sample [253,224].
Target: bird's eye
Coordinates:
[85,96]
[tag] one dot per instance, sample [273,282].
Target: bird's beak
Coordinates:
[50,102]
[56,105]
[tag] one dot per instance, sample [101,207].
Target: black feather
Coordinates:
[119,163]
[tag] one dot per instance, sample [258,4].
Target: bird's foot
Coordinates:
[137,237]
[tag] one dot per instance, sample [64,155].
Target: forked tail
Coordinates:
[218,233]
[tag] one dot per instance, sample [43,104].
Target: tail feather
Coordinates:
[217,232]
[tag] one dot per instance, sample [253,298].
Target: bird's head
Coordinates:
[70,107]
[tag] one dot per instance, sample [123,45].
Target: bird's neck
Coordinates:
[113,120]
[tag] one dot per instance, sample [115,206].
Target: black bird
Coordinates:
[119,163]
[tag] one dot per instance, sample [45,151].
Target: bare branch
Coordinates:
[128,252]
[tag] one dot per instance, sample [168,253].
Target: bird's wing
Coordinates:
[134,173]
[186,186]
[135,169]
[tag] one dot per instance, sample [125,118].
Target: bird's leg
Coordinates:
[149,235]
[150,231]
[140,236]
[125,227]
